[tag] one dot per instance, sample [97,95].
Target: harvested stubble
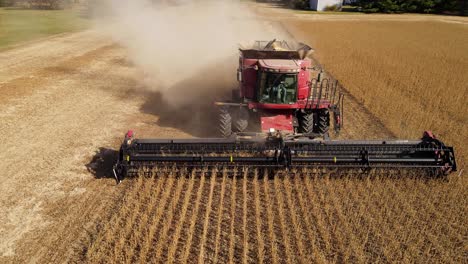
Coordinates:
[300,216]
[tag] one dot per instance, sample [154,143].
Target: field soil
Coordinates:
[65,104]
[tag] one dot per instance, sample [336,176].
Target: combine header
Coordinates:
[275,151]
[287,102]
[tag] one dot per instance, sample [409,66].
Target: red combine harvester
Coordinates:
[276,92]
[278,97]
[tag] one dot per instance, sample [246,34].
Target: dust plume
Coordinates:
[186,49]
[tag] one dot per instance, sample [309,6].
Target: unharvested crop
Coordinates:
[296,217]
[411,75]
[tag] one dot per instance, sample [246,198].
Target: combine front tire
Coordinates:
[225,122]
[306,123]
[241,120]
[323,122]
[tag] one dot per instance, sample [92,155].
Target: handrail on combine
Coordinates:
[325,90]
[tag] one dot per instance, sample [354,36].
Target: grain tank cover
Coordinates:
[280,65]
[279,50]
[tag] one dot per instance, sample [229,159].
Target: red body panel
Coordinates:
[303,80]
[279,120]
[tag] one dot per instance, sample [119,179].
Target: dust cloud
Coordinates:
[187,50]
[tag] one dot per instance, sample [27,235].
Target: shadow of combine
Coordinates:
[102,162]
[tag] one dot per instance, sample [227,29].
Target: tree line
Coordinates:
[413,6]
[37,4]
[400,6]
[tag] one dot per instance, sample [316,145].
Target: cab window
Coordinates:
[277,88]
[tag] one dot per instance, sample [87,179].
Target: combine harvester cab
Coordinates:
[291,112]
[279,88]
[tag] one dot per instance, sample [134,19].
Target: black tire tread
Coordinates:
[323,121]
[240,125]
[225,122]
[306,123]
[241,120]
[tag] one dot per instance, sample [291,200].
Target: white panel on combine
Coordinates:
[320,5]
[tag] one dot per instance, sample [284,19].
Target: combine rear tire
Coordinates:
[306,123]
[225,122]
[241,120]
[323,122]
